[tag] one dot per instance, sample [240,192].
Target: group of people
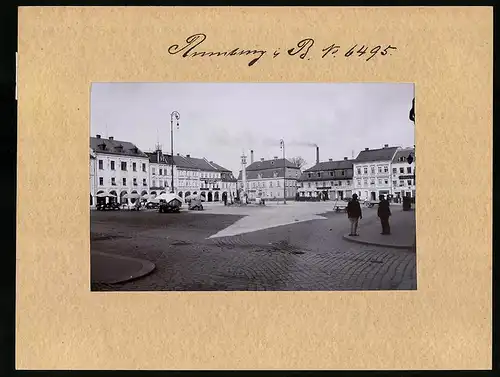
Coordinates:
[354,214]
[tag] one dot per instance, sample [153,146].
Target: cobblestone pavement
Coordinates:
[308,255]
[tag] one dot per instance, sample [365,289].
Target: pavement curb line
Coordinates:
[392,246]
[147,267]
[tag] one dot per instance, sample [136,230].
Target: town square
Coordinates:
[255,211]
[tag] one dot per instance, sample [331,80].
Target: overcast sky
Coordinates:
[219,121]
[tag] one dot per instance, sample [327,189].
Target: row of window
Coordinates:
[124,181]
[340,173]
[384,181]
[323,184]
[383,169]
[123,165]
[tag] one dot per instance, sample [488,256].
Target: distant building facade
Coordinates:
[372,172]
[403,174]
[93,177]
[122,168]
[270,179]
[160,172]
[329,180]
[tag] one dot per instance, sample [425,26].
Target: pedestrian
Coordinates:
[224,198]
[384,212]
[354,214]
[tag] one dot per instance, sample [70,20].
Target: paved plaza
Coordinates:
[297,246]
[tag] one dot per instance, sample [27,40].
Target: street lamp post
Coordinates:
[177,116]
[282,145]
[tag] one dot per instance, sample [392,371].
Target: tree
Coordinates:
[298,161]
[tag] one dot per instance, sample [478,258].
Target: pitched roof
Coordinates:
[183,162]
[371,155]
[270,164]
[331,165]
[118,147]
[220,168]
[200,163]
[404,153]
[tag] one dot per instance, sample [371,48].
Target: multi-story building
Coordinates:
[188,176]
[372,172]
[328,180]
[93,177]
[160,172]
[122,168]
[270,179]
[228,183]
[403,174]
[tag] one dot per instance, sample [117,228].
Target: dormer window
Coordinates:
[102,146]
[119,148]
[309,175]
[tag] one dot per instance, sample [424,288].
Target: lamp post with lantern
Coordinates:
[282,146]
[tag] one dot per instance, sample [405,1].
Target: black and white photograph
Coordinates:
[252,187]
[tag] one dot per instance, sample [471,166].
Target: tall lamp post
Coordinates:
[282,146]
[177,116]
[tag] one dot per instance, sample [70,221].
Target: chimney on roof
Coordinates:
[262,159]
[386,145]
[98,136]
[330,159]
[317,154]
[188,155]
[178,154]
[251,156]
[367,149]
[345,158]
[275,157]
[111,138]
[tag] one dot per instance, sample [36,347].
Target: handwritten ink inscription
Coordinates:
[305,48]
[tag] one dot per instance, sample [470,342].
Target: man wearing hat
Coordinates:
[354,214]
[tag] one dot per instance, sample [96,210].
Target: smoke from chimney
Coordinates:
[251,156]
[317,155]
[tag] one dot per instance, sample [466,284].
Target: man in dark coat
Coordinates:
[354,214]
[224,198]
[384,212]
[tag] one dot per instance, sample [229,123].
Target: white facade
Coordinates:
[372,179]
[93,177]
[122,174]
[403,174]
[336,189]
[188,182]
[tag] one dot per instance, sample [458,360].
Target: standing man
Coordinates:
[354,214]
[383,213]
[224,198]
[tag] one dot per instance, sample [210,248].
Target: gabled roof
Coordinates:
[372,155]
[270,164]
[331,165]
[118,147]
[403,153]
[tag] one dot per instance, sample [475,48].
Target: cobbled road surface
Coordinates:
[307,255]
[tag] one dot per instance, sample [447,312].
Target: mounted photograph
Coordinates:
[252,187]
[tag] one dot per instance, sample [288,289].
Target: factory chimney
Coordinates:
[251,156]
[317,154]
